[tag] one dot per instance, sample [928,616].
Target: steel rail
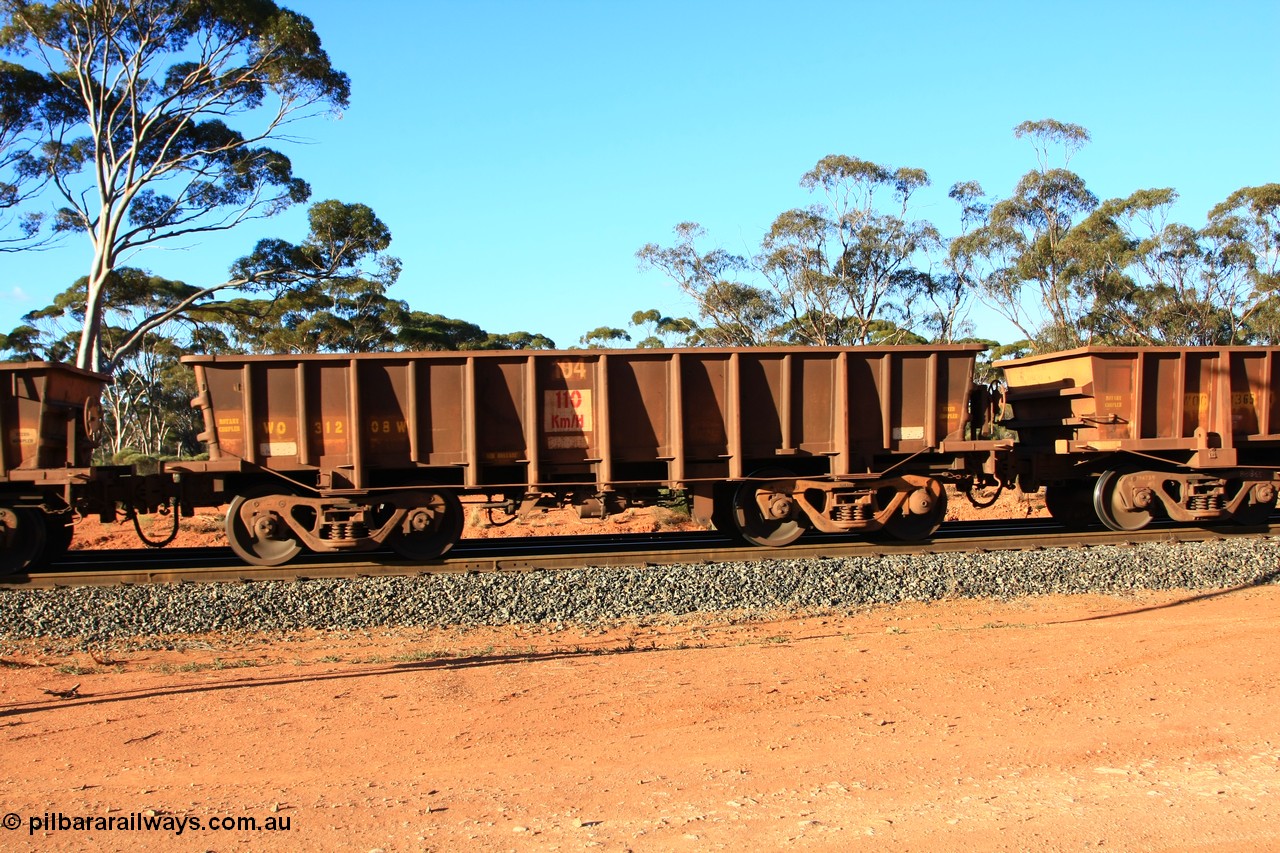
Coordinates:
[204,565]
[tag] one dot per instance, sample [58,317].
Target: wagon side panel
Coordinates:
[47,414]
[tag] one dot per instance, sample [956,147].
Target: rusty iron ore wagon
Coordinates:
[348,452]
[353,452]
[50,425]
[49,420]
[1127,433]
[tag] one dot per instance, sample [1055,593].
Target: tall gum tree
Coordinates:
[1023,244]
[138,143]
[734,313]
[843,268]
[1242,240]
[23,93]
[343,256]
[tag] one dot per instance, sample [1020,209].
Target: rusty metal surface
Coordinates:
[49,413]
[1205,406]
[596,419]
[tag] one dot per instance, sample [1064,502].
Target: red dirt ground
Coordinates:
[1137,723]
[1141,722]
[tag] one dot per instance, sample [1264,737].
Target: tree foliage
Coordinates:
[336,275]
[22,96]
[843,271]
[137,136]
[734,313]
[1023,247]
[658,331]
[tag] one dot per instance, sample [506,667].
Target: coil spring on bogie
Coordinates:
[344,530]
[849,512]
[1205,503]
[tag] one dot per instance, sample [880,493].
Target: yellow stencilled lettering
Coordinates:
[387,427]
[1196,402]
[1242,399]
[1113,401]
[572,369]
[273,427]
[327,427]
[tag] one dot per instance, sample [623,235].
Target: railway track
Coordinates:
[205,565]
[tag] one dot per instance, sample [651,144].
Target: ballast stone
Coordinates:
[594,595]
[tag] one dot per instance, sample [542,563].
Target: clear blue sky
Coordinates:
[521,152]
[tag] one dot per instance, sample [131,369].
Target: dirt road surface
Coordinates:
[1135,723]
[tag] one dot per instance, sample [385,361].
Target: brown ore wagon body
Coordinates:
[346,452]
[1127,433]
[49,421]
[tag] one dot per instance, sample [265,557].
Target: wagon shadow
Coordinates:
[399,668]
[1264,579]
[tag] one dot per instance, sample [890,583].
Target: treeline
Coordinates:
[1064,268]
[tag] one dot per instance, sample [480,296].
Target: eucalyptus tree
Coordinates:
[23,94]
[1156,281]
[950,292]
[1242,245]
[734,312]
[138,141]
[1145,275]
[602,337]
[658,331]
[420,330]
[342,263]
[842,268]
[1022,249]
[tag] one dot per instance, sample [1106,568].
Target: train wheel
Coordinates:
[1108,503]
[781,527]
[1071,505]
[431,528]
[261,538]
[922,513]
[22,538]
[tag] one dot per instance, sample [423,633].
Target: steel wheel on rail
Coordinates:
[431,528]
[1109,504]
[921,514]
[22,538]
[778,525]
[259,534]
